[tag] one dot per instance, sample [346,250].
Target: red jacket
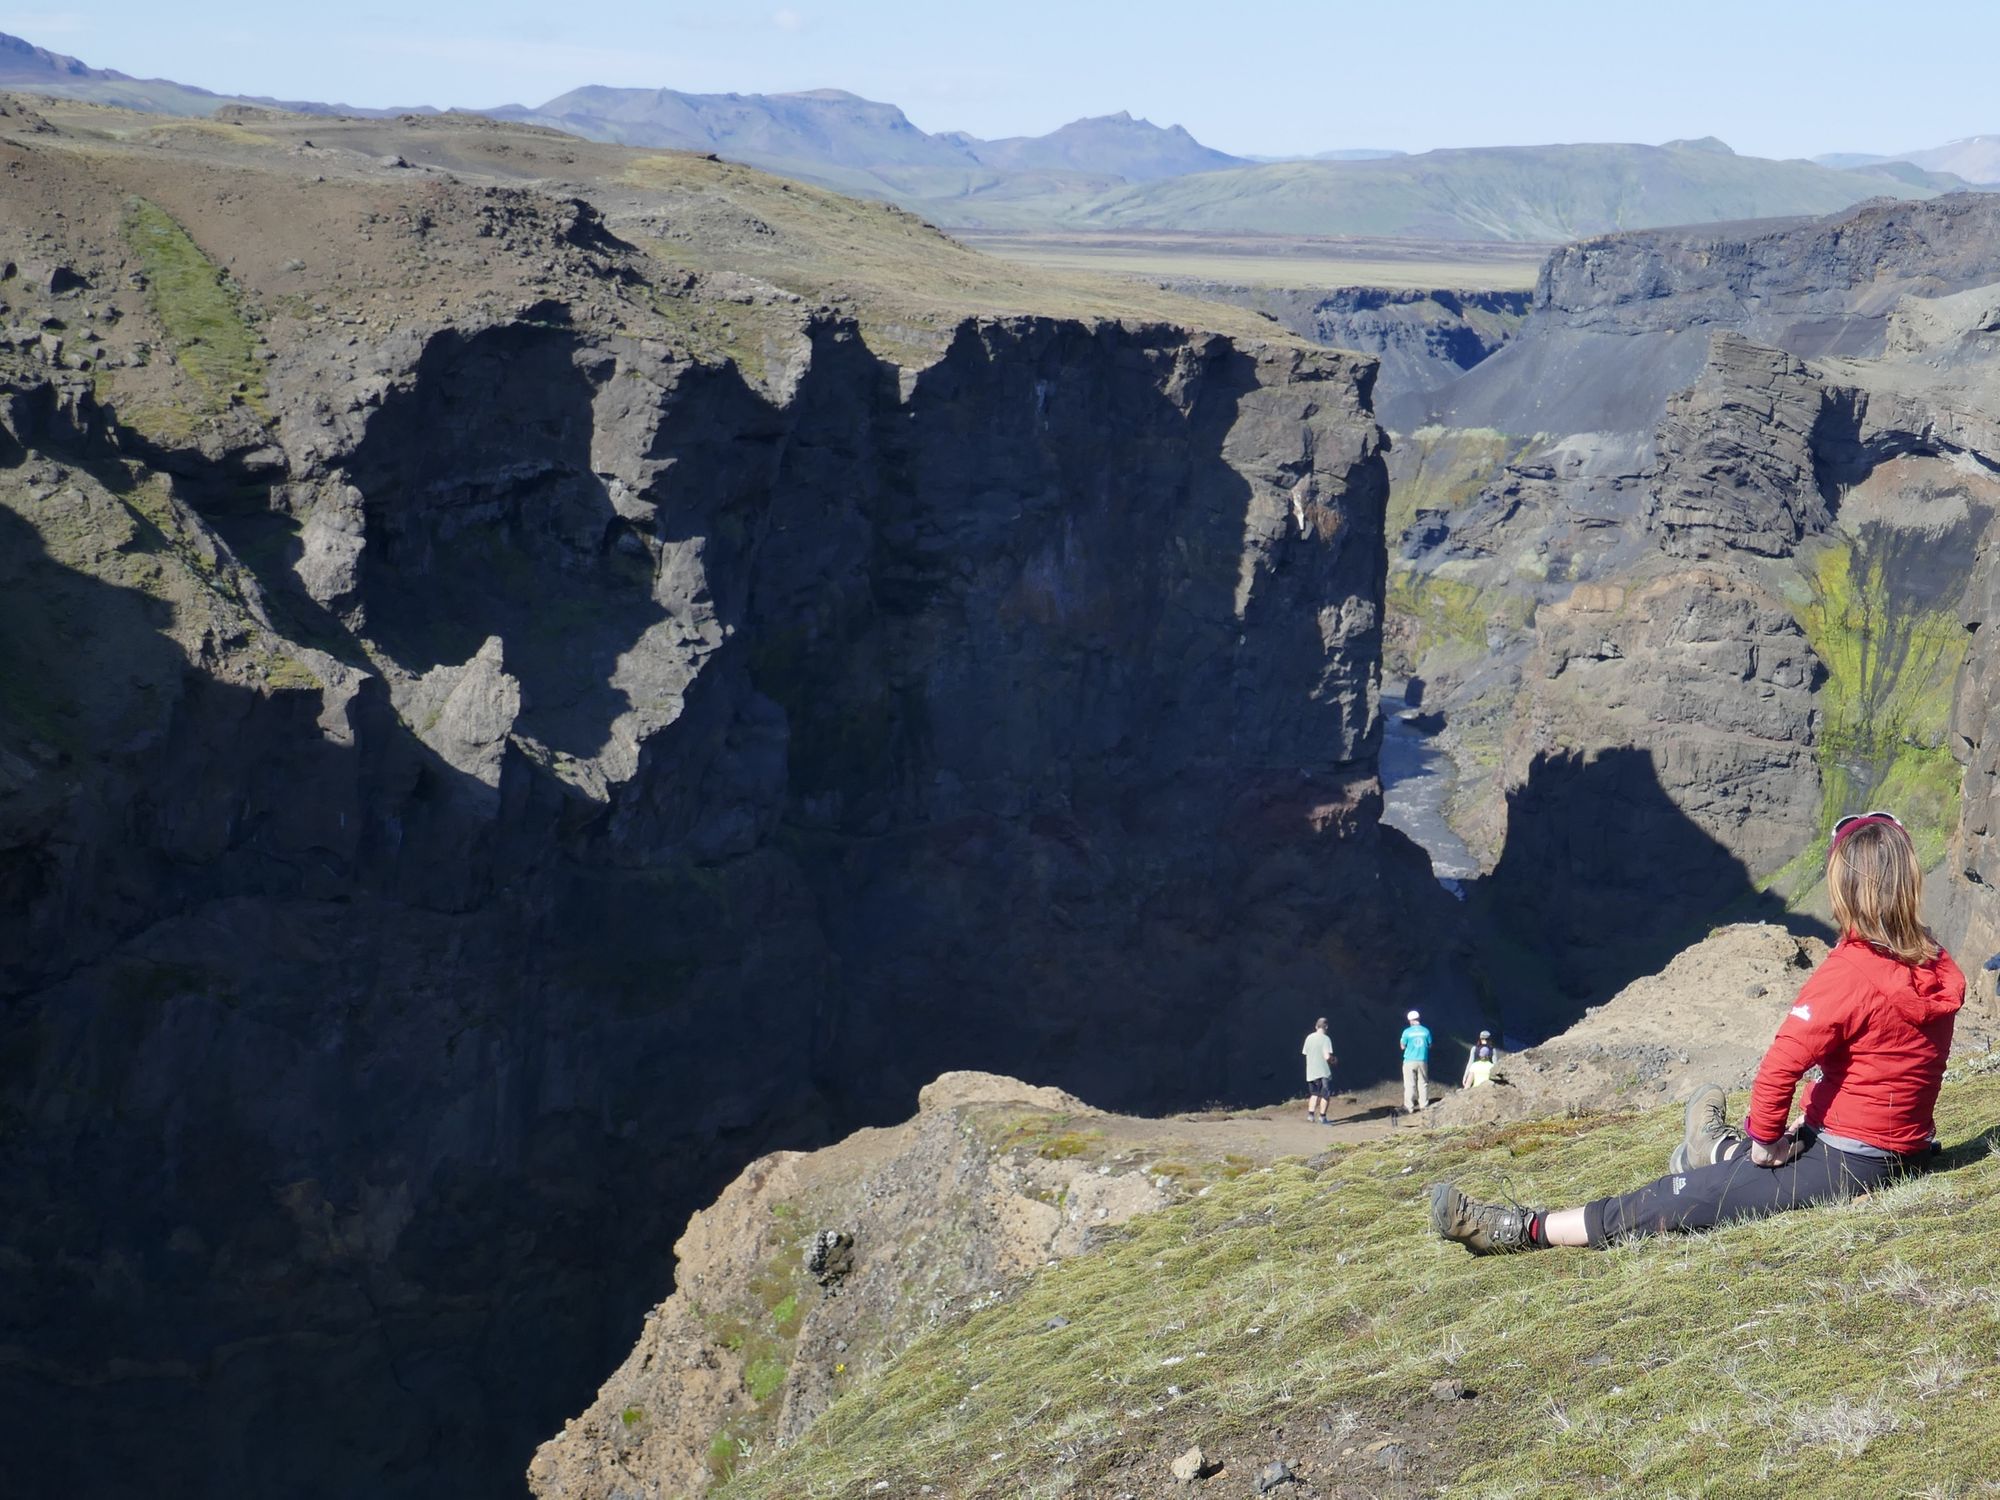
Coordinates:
[1880,1030]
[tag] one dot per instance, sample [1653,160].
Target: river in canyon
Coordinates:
[1417,779]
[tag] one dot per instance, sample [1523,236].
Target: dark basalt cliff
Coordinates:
[480,769]
[1423,338]
[1711,517]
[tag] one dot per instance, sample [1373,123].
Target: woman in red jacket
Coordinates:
[1876,1018]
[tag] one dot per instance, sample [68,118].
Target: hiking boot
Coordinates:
[1483,1228]
[1706,1130]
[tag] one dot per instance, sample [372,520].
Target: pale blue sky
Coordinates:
[1771,77]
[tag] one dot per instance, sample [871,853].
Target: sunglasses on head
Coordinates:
[1844,826]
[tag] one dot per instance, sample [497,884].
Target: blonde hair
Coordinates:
[1876,886]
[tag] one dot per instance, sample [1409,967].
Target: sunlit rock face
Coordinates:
[1720,502]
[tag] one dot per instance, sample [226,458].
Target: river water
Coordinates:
[1416,784]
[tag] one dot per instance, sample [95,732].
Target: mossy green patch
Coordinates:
[710,332]
[761,1327]
[1049,1136]
[198,309]
[725,1451]
[1850,1349]
[289,674]
[1427,613]
[764,1377]
[1442,468]
[1892,660]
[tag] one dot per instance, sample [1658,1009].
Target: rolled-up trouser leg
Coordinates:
[1703,1197]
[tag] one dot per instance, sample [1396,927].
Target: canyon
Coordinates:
[518,703]
[538,673]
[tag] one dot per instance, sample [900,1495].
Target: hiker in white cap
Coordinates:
[1416,1065]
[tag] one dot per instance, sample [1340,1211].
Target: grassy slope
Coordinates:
[198,309]
[1839,1351]
[152,95]
[1506,193]
[906,282]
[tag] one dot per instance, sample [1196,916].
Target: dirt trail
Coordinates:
[1269,1132]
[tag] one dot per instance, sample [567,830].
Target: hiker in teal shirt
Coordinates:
[1416,1041]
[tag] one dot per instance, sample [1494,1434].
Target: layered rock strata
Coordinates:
[1423,338]
[1712,510]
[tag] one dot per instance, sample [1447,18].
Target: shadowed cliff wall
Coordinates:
[442,848]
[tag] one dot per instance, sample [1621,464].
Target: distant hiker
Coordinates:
[1319,1071]
[1416,1040]
[1479,1063]
[1876,1018]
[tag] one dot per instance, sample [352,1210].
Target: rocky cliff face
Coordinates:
[1422,338]
[506,720]
[814,1270]
[1710,518]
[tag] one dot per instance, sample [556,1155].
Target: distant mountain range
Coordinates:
[1114,172]
[1976,158]
[1533,193]
[32,69]
[844,141]
[1136,150]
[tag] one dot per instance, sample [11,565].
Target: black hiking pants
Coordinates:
[1702,1197]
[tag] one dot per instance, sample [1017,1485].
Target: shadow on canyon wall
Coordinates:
[321,1175]
[1601,880]
[352,1104]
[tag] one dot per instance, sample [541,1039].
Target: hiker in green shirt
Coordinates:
[1319,1072]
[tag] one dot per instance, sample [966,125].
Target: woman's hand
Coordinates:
[1780,1151]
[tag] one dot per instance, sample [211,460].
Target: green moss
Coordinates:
[1442,468]
[1427,613]
[725,1452]
[1048,1136]
[711,332]
[198,309]
[170,426]
[631,1417]
[1892,664]
[289,674]
[764,1377]
[1302,1295]
[1068,1144]
[761,1327]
